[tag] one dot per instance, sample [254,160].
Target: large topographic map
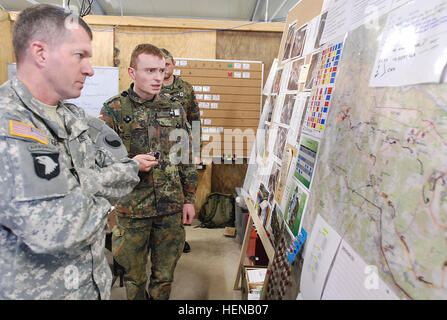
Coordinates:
[381,175]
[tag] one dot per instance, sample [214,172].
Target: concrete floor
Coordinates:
[207,272]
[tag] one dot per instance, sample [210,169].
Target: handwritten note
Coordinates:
[319,254]
[413,49]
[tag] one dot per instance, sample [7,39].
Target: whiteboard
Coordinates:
[103,85]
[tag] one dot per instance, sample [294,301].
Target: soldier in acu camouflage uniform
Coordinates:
[59,167]
[184,93]
[151,217]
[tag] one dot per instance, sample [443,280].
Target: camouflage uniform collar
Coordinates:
[136,98]
[173,84]
[73,126]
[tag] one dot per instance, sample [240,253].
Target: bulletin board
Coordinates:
[228,93]
[362,155]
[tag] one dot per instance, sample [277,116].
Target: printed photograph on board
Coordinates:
[273,180]
[321,29]
[289,41]
[287,109]
[313,71]
[294,78]
[295,208]
[280,142]
[299,41]
[277,81]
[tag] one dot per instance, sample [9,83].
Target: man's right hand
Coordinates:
[145,161]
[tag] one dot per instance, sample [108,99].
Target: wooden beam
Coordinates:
[199,24]
[7,51]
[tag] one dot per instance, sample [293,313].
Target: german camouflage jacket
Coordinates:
[55,187]
[184,93]
[161,126]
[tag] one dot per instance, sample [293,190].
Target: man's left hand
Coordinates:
[188,213]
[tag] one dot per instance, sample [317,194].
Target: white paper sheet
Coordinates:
[346,15]
[351,278]
[319,254]
[337,21]
[256,275]
[413,49]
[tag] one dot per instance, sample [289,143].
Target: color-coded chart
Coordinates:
[318,109]
[329,65]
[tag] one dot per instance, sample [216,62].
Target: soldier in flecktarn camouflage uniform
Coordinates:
[181,90]
[152,216]
[184,93]
[60,169]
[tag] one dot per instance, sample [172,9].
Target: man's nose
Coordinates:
[88,69]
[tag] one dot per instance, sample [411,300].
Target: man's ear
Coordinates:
[39,52]
[131,72]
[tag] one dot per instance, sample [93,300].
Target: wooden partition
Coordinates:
[7,51]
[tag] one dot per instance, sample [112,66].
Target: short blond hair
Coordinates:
[146,48]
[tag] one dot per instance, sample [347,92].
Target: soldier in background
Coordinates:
[184,93]
[152,216]
[59,167]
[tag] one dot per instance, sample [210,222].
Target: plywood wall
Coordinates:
[102,46]
[226,177]
[249,45]
[185,43]
[7,51]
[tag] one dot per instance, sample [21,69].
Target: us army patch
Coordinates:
[24,130]
[46,165]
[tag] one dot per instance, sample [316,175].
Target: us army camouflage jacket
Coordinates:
[55,188]
[184,93]
[158,125]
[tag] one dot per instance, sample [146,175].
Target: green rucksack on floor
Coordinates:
[217,211]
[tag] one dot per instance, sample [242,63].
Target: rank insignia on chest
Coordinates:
[46,165]
[177,112]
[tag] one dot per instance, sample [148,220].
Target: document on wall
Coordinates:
[398,3]
[413,46]
[346,15]
[337,21]
[351,278]
[318,257]
[368,12]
